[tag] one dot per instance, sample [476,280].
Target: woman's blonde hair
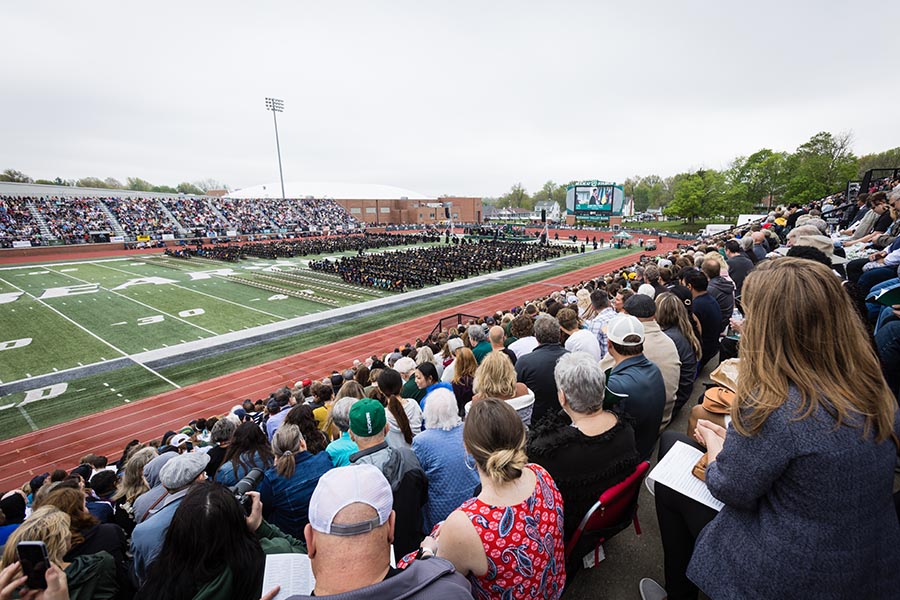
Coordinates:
[495,377]
[47,524]
[801,329]
[464,365]
[285,444]
[671,312]
[133,483]
[495,437]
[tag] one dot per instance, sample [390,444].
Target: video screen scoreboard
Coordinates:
[594,200]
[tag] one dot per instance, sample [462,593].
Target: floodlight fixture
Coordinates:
[276,106]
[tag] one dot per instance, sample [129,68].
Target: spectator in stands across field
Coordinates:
[522,328]
[809,451]
[368,426]
[342,447]
[707,315]
[674,321]
[579,339]
[404,415]
[535,370]
[221,435]
[213,550]
[176,476]
[285,488]
[349,540]
[88,576]
[441,453]
[496,378]
[249,449]
[595,453]
[478,339]
[636,381]
[483,538]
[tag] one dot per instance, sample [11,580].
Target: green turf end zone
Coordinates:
[62,341]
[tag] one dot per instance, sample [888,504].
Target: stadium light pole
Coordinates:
[277,106]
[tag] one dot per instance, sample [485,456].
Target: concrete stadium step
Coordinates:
[117,227]
[39,218]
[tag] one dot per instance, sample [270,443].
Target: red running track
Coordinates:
[107,432]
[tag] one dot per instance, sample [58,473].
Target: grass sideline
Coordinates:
[95,393]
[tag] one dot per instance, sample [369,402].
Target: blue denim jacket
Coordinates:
[286,501]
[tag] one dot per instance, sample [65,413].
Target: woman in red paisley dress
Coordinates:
[509,539]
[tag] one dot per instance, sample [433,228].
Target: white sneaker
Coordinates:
[650,590]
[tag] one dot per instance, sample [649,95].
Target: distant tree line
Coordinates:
[110,183]
[821,166]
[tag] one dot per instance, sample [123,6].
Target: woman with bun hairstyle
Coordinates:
[509,539]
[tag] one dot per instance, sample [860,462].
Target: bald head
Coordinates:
[758,237]
[496,335]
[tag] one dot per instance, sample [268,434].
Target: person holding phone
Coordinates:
[89,576]
[13,578]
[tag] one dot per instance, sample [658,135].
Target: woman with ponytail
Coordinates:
[403,414]
[509,539]
[286,487]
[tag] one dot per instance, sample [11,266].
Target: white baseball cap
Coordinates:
[343,486]
[623,326]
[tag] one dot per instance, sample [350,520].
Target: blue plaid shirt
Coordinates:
[598,324]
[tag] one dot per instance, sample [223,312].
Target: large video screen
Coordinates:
[594,198]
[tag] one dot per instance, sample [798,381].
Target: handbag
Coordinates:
[699,470]
[715,405]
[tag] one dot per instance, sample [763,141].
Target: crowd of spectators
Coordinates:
[140,216]
[195,214]
[17,223]
[70,220]
[473,453]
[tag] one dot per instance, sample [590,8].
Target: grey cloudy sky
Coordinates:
[458,97]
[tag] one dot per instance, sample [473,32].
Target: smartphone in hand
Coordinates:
[35,562]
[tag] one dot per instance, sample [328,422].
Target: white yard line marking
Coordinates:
[181,287]
[94,335]
[28,419]
[171,316]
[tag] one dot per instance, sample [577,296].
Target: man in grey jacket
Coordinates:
[349,536]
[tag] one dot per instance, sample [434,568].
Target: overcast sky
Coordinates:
[461,98]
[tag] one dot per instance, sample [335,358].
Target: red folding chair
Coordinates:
[613,512]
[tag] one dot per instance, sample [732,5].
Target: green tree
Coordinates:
[889,159]
[45,182]
[211,184]
[15,176]
[760,177]
[189,188]
[163,189]
[551,192]
[137,184]
[698,194]
[516,197]
[91,182]
[819,167]
[113,183]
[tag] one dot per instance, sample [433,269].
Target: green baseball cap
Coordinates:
[367,417]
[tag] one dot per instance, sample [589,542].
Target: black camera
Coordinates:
[247,484]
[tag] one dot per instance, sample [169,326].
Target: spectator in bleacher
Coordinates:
[285,488]
[522,328]
[809,455]
[721,290]
[674,321]
[279,404]
[759,245]
[496,378]
[579,338]
[739,266]
[177,477]
[478,339]
[426,354]
[595,453]
[497,339]
[99,496]
[151,473]
[535,370]
[484,537]
[322,399]
[404,415]
[707,314]
[301,415]
[658,349]
[249,449]
[440,451]
[368,427]
[88,535]
[454,344]
[349,540]
[636,382]
[464,368]
[131,485]
[406,367]
[426,377]
[214,551]
[13,507]
[87,576]
[604,313]
[220,436]
[342,447]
